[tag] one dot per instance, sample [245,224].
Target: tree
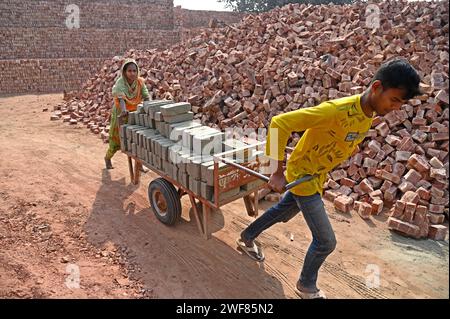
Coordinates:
[266,5]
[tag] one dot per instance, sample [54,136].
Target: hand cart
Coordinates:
[165,193]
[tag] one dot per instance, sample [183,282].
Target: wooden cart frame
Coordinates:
[225,179]
[233,176]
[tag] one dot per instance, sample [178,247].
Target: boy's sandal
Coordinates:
[253,252]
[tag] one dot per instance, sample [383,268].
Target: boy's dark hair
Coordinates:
[399,74]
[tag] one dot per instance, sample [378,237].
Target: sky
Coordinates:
[201,5]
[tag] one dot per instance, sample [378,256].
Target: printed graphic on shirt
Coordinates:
[354,136]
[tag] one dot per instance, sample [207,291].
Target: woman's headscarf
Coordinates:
[123,89]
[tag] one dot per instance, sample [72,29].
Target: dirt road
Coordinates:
[64,220]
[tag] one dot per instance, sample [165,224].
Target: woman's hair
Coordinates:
[127,65]
[399,74]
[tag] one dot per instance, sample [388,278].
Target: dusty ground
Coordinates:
[60,210]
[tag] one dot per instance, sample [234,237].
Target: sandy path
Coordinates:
[58,207]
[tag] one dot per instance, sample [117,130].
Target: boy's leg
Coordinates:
[323,244]
[286,209]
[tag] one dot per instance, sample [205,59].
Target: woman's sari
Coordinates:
[133,95]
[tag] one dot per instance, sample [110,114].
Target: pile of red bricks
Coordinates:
[298,56]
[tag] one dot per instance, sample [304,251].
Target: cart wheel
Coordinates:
[165,201]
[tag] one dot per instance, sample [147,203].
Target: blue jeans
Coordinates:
[324,240]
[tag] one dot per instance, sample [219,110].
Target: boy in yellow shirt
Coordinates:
[332,132]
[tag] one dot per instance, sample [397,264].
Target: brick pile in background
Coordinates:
[298,56]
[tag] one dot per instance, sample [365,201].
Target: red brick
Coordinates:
[383,129]
[398,169]
[439,137]
[402,156]
[374,146]
[393,140]
[338,174]
[423,193]
[354,196]
[399,208]
[376,182]
[436,209]
[410,197]
[406,186]
[352,170]
[390,193]
[366,186]
[442,96]
[436,192]
[356,204]
[419,136]
[436,163]
[331,195]
[436,218]
[407,144]
[368,162]
[378,119]
[417,121]
[344,190]
[380,156]
[386,185]
[370,171]
[365,210]
[442,185]
[420,209]
[343,203]
[410,207]
[357,159]
[383,174]
[437,232]
[441,201]
[423,183]
[332,184]
[376,194]
[377,206]
[438,173]
[413,176]
[419,163]
[433,152]
[347,182]
[387,149]
[403,133]
[404,227]
[392,119]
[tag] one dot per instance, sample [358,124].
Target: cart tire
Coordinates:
[165,201]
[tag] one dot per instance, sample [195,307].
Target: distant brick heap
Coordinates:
[39,53]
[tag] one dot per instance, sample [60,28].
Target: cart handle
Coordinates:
[265,178]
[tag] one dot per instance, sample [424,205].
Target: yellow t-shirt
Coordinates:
[332,130]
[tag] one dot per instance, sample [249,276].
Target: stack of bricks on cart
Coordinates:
[164,136]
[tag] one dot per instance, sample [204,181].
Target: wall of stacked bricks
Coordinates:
[298,56]
[34,33]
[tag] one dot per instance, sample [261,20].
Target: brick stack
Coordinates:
[298,56]
[54,57]
[164,136]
